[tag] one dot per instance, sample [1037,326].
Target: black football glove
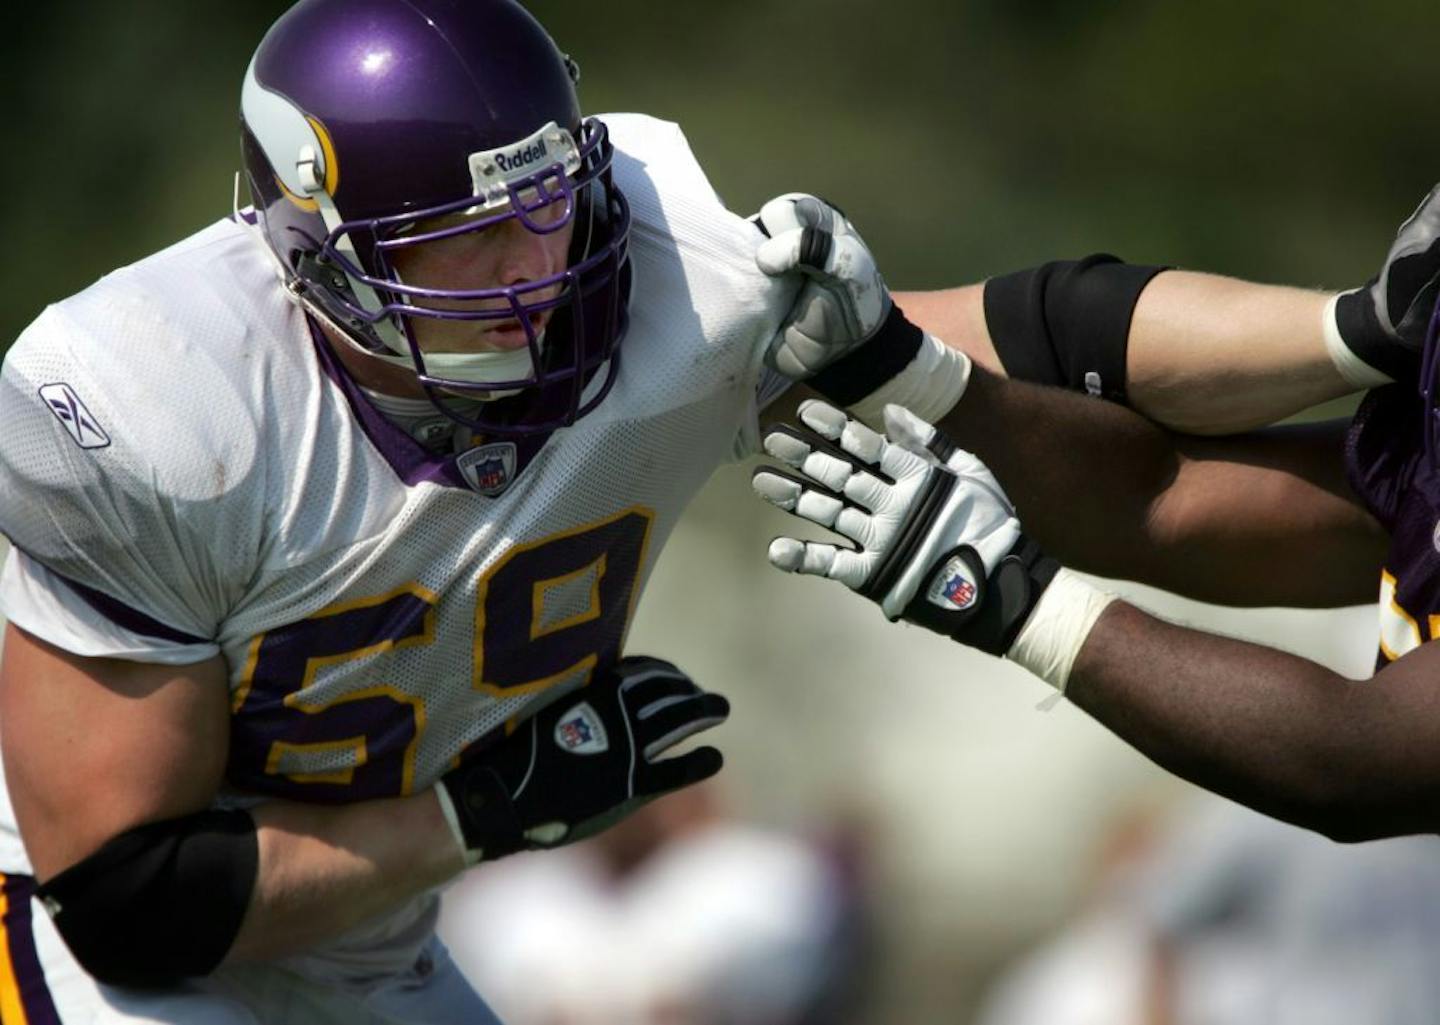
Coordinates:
[1384,323]
[936,540]
[586,761]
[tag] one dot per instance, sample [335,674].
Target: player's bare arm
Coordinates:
[158,738]
[1204,354]
[1355,760]
[934,539]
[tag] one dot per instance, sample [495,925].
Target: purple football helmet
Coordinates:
[363,121]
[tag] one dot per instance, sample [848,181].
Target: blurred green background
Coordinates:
[1275,141]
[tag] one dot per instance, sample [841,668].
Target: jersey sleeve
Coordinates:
[676,208]
[84,622]
[113,486]
[1382,448]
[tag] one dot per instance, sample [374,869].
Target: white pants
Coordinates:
[40,984]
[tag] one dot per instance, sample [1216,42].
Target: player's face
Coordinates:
[500,256]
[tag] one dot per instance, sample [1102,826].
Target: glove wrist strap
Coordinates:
[990,614]
[1352,367]
[880,357]
[452,819]
[1056,630]
[930,386]
[484,812]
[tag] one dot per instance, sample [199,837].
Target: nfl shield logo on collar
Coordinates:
[70,411]
[488,469]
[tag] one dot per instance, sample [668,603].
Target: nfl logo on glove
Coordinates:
[581,732]
[952,589]
[574,733]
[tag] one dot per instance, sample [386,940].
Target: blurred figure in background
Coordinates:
[1232,918]
[681,915]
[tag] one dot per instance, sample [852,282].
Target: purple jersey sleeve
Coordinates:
[1382,450]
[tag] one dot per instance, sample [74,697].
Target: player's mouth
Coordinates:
[511,334]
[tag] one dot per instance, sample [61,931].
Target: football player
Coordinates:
[1304,515]
[328,521]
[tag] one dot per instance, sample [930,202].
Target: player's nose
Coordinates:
[525,255]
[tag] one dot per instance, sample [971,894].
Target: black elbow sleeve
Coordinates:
[1067,323]
[159,903]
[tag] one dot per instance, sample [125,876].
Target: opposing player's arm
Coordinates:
[1203,354]
[112,766]
[1354,760]
[1233,520]
[936,541]
[1196,352]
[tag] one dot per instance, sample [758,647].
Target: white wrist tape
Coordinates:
[1356,372]
[929,386]
[1057,628]
[452,819]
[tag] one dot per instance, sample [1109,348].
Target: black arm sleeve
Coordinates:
[159,903]
[1067,323]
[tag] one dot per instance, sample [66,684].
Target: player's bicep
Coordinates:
[95,746]
[1266,518]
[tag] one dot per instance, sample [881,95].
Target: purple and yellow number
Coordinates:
[359,745]
[519,648]
[362,742]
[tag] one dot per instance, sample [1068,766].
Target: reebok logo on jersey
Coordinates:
[70,411]
[581,732]
[952,589]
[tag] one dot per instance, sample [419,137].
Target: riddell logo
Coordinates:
[523,157]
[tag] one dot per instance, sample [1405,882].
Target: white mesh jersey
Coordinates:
[183,477]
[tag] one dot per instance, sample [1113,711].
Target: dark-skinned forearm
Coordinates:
[1235,521]
[1082,473]
[1276,732]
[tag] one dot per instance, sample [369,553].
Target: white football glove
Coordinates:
[844,333]
[938,543]
[844,302]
